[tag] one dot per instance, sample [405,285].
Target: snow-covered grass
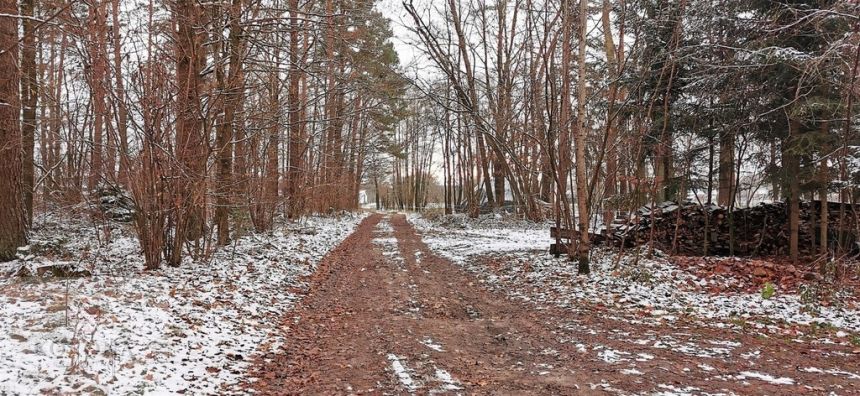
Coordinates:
[518,253]
[190,329]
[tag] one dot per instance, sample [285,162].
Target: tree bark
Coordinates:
[230,87]
[727,168]
[191,144]
[29,95]
[295,172]
[581,135]
[97,26]
[121,107]
[13,213]
[791,163]
[270,187]
[610,189]
[563,168]
[824,180]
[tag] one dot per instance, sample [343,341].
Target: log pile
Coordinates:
[761,230]
[116,204]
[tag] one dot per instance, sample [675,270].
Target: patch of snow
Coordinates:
[836,372]
[612,356]
[402,373]
[671,390]
[765,377]
[690,348]
[191,329]
[448,381]
[429,343]
[644,357]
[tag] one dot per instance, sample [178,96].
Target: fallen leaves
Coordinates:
[733,274]
[94,310]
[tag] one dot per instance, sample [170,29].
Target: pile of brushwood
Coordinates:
[761,230]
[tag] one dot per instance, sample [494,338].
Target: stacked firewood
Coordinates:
[755,231]
[115,203]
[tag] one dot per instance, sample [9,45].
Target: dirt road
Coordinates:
[384,315]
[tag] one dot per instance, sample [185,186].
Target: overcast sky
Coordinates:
[393,9]
[412,61]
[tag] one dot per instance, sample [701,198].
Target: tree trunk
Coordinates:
[97,26]
[776,186]
[121,108]
[57,181]
[611,118]
[230,88]
[792,168]
[295,178]
[13,213]
[483,162]
[29,95]
[270,187]
[191,142]
[582,133]
[727,168]
[824,180]
[330,94]
[563,167]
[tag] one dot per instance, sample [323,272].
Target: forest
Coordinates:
[217,118]
[255,149]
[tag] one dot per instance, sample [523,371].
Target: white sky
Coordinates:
[412,61]
[394,11]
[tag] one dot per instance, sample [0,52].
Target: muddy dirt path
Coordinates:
[384,315]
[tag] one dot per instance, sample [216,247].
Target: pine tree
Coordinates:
[791,47]
[13,214]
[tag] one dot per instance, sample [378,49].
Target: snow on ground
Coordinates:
[429,343]
[448,382]
[402,373]
[459,237]
[765,377]
[190,329]
[518,253]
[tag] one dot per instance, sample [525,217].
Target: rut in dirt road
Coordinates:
[384,315]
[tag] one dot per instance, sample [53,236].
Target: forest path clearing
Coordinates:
[384,315]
